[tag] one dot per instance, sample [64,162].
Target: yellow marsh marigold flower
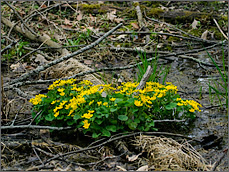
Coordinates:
[138,103]
[57,113]
[91,102]
[105,104]
[180,104]
[62,93]
[86,124]
[99,103]
[191,110]
[37,99]
[53,102]
[60,89]
[87,115]
[91,111]
[112,99]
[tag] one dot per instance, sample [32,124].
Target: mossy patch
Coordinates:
[155,12]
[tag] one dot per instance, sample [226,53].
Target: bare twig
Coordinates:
[9,46]
[171,26]
[225,36]
[21,93]
[41,68]
[7,87]
[21,19]
[225,152]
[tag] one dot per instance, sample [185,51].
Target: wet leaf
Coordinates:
[194,24]
[134,157]
[143,168]
[80,16]
[67,22]
[135,25]
[204,35]
[121,168]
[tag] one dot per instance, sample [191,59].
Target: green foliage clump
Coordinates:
[102,109]
[155,12]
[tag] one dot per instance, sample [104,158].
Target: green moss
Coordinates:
[172,38]
[152,4]
[155,12]
[196,32]
[218,35]
[169,48]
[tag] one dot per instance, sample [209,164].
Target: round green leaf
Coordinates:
[122,117]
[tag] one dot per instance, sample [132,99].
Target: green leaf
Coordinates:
[94,135]
[99,121]
[133,125]
[76,117]
[106,133]
[137,120]
[117,100]
[113,109]
[50,117]
[111,128]
[70,122]
[171,106]
[122,117]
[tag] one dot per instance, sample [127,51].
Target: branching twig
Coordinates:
[21,19]
[41,68]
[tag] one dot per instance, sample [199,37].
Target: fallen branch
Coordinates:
[34,127]
[42,68]
[111,140]
[9,87]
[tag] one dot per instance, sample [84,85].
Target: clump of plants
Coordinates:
[103,109]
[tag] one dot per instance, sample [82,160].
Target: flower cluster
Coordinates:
[37,99]
[102,109]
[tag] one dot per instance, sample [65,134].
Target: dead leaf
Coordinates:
[121,168]
[135,25]
[18,67]
[80,16]
[40,59]
[194,24]
[133,157]
[92,18]
[67,22]
[204,35]
[111,15]
[118,20]
[143,168]
[88,62]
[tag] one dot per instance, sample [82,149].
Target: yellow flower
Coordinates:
[60,89]
[91,102]
[191,110]
[91,111]
[168,83]
[87,115]
[57,113]
[112,99]
[138,103]
[62,93]
[105,104]
[160,95]
[53,102]
[99,103]
[180,104]
[37,99]
[86,124]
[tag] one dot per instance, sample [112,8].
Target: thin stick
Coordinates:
[21,19]
[220,29]
[35,127]
[42,68]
